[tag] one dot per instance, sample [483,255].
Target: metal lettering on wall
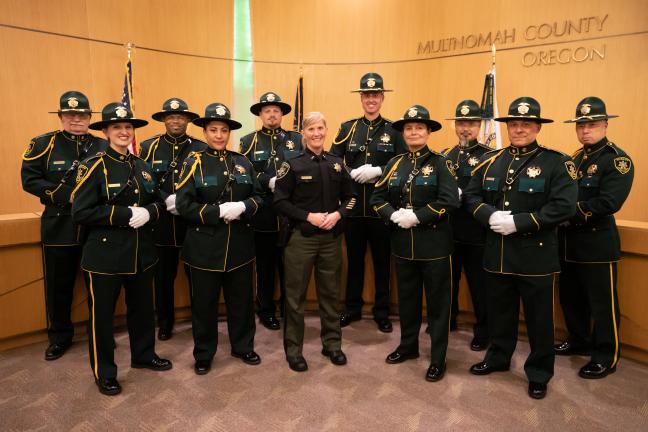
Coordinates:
[538,34]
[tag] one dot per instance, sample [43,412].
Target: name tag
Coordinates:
[157,162]
[58,162]
[259,151]
[490,178]
[307,177]
[114,185]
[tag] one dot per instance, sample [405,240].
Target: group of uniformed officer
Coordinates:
[511,218]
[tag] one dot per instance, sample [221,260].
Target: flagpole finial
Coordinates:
[493,53]
[129,46]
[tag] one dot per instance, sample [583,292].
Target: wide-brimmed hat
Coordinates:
[416,114]
[174,106]
[524,108]
[115,112]
[270,98]
[590,109]
[467,110]
[371,82]
[217,112]
[73,102]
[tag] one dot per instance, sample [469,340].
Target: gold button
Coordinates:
[225,173]
[370,127]
[220,159]
[136,191]
[205,183]
[517,158]
[585,157]
[460,151]
[530,189]
[274,137]
[176,147]
[506,203]
[175,171]
[276,158]
[103,239]
[540,243]
[511,171]
[121,157]
[368,154]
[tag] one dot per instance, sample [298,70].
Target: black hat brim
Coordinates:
[432,124]
[137,123]
[373,90]
[202,121]
[80,111]
[466,118]
[160,115]
[533,119]
[588,119]
[284,107]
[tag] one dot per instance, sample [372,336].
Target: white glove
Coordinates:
[357,171]
[271,183]
[408,220]
[496,216]
[170,204]
[505,225]
[231,210]
[460,193]
[396,216]
[139,218]
[368,174]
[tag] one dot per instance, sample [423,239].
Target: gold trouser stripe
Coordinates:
[95,367]
[614,324]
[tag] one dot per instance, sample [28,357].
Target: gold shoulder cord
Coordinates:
[391,171]
[351,131]
[85,177]
[191,172]
[152,149]
[252,144]
[488,161]
[50,145]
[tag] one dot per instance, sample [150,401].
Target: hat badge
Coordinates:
[371,82]
[270,97]
[121,112]
[523,108]
[585,109]
[72,102]
[465,109]
[174,104]
[412,112]
[220,110]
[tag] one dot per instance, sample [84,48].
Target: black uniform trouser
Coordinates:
[165,275]
[103,289]
[589,291]
[471,258]
[61,265]
[269,258]
[205,292]
[432,278]
[359,232]
[505,291]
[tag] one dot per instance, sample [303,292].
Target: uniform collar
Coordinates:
[77,138]
[372,123]
[596,147]
[418,153]
[175,140]
[469,145]
[118,156]
[314,156]
[523,151]
[271,132]
[218,153]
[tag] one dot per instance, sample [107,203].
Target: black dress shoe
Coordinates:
[270,322]
[537,390]
[55,351]
[434,373]
[567,348]
[478,344]
[164,334]
[155,364]
[483,368]
[384,325]
[298,364]
[201,367]
[337,357]
[250,357]
[346,319]
[400,357]
[593,370]
[108,386]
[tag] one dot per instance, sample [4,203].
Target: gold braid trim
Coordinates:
[391,170]
[192,170]
[49,147]
[353,128]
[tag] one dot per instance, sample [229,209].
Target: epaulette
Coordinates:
[482,145]
[576,153]
[47,134]
[552,150]
[153,138]
[94,156]
[445,151]
[618,150]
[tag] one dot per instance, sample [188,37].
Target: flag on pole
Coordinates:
[299,105]
[490,133]
[127,95]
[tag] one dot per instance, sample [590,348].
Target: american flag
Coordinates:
[490,133]
[299,105]
[128,100]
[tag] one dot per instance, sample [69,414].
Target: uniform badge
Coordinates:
[571,169]
[523,108]
[147,176]
[290,145]
[270,97]
[174,104]
[240,169]
[72,102]
[585,109]
[450,167]
[533,171]
[220,110]
[371,83]
[473,161]
[81,172]
[337,167]
[412,112]
[592,169]
[465,109]
[121,112]
[385,138]
[30,147]
[623,164]
[427,170]
[283,170]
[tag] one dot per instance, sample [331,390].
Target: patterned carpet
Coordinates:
[365,395]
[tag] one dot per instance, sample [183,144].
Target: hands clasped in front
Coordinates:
[230,211]
[325,221]
[139,218]
[404,218]
[502,222]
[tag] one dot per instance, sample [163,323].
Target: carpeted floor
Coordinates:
[365,395]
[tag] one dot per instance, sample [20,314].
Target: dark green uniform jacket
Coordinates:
[431,193]
[465,228]
[605,174]
[538,186]
[361,141]
[49,172]
[209,178]
[100,202]
[267,149]
[164,155]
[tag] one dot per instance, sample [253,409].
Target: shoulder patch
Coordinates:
[283,170]
[81,172]
[450,167]
[623,164]
[571,170]
[30,148]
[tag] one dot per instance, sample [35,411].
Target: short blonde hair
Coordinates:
[312,118]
